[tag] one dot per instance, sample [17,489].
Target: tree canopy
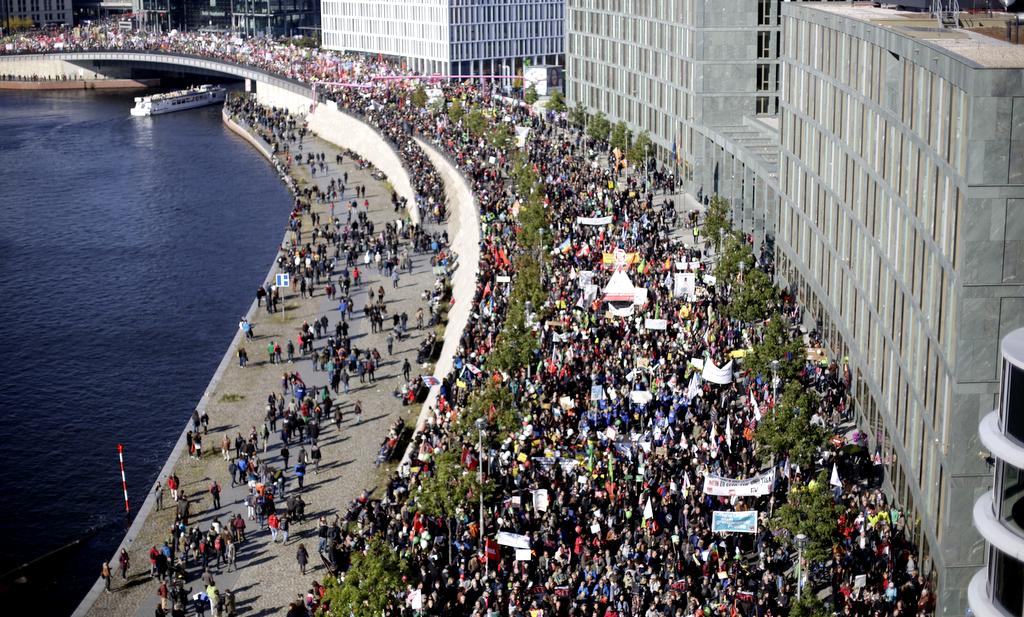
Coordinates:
[370,584]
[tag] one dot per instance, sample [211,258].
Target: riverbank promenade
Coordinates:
[266,576]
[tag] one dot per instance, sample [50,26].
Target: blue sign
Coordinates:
[284,280]
[734,522]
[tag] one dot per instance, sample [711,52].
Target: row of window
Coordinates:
[923,102]
[930,477]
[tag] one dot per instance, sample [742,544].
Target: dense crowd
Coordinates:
[600,484]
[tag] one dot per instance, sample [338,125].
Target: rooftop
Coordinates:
[975,41]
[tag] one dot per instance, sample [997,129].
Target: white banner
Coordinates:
[514,540]
[684,285]
[594,220]
[640,397]
[585,278]
[655,324]
[540,500]
[715,374]
[523,554]
[751,487]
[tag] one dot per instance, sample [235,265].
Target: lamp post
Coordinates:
[481,425]
[801,542]
[774,364]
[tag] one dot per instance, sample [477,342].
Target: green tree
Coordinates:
[516,342]
[419,97]
[787,431]
[811,511]
[501,136]
[809,605]
[475,122]
[779,344]
[530,96]
[370,584]
[753,298]
[640,149]
[620,137]
[556,103]
[716,221]
[449,487]
[736,255]
[533,218]
[599,127]
[578,116]
[529,283]
[495,404]
[455,111]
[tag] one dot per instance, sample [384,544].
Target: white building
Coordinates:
[449,37]
[998,590]
[41,12]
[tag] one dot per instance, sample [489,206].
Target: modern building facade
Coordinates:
[900,228]
[890,183]
[450,37]
[40,12]
[245,17]
[699,75]
[998,589]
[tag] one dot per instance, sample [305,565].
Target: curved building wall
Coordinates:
[900,227]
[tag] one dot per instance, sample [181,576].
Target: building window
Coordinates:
[1010,496]
[763,105]
[764,72]
[764,12]
[764,44]
[1005,575]
[1012,407]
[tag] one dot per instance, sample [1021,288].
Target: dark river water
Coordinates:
[129,247]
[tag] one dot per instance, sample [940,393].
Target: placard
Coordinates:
[734,522]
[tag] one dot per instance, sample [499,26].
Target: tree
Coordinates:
[495,404]
[809,605]
[753,297]
[501,136]
[370,584]
[419,97]
[640,149]
[716,221]
[779,344]
[787,431]
[736,255]
[516,342]
[620,137]
[556,103]
[599,127]
[578,115]
[530,96]
[533,218]
[455,111]
[449,487]
[475,122]
[810,510]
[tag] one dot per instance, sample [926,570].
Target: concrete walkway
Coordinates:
[268,576]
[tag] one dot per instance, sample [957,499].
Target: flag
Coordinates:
[469,460]
[728,433]
[430,381]
[835,481]
[565,246]
[491,552]
[648,510]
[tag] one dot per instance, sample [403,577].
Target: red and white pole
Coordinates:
[124,483]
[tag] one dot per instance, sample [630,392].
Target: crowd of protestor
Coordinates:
[600,506]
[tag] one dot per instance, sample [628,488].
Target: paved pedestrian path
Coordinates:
[267,575]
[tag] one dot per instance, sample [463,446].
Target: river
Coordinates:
[129,248]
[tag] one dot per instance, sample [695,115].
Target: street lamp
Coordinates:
[774,365]
[801,543]
[481,426]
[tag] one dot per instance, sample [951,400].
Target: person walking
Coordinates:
[301,556]
[162,592]
[158,490]
[272,523]
[215,493]
[123,561]
[282,527]
[231,554]
[105,575]
[406,370]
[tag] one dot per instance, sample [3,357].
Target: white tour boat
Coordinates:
[198,96]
